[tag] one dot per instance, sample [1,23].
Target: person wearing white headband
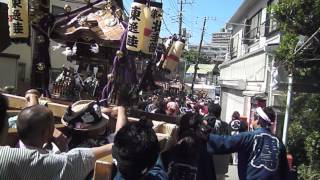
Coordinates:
[263,118]
[261,155]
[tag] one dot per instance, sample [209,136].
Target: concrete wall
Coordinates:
[8,71]
[232,100]
[25,56]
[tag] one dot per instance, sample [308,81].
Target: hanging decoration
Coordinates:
[18,19]
[64,87]
[170,58]
[67,51]
[91,83]
[136,26]
[144,26]
[58,46]
[94,48]
[153,17]
[173,56]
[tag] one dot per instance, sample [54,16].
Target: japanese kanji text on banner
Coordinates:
[18,18]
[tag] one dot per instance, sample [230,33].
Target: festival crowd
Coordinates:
[200,148]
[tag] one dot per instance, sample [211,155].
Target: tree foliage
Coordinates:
[303,134]
[297,19]
[191,56]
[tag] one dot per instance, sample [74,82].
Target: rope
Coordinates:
[108,88]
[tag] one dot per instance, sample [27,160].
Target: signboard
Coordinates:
[18,18]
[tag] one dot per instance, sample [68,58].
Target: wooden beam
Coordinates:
[153,116]
[103,168]
[18,102]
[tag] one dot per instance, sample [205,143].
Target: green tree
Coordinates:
[191,56]
[304,136]
[297,21]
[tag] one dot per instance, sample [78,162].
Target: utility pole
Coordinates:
[180,16]
[180,19]
[199,52]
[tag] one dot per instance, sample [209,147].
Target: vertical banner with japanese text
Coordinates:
[173,56]
[153,16]
[136,26]
[144,26]
[18,18]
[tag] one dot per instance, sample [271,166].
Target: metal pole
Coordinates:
[286,117]
[199,51]
[270,94]
[180,20]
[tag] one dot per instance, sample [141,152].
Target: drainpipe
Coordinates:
[270,93]
[286,117]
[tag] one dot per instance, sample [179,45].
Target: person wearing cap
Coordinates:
[261,155]
[27,164]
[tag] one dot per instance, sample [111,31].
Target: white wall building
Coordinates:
[221,41]
[217,50]
[22,49]
[244,78]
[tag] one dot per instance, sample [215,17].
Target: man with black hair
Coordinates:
[35,126]
[189,159]
[219,127]
[135,152]
[31,164]
[261,155]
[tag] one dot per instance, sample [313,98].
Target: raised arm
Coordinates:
[121,118]
[102,151]
[218,144]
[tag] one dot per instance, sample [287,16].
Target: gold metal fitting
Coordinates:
[110,77]
[67,8]
[109,4]
[119,54]
[119,13]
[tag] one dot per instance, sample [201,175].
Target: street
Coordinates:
[232,173]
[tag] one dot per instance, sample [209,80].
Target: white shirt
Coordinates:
[28,164]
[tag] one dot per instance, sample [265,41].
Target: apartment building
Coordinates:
[217,51]
[245,78]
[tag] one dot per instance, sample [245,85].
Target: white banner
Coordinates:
[18,18]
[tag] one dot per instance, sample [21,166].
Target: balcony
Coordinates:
[252,36]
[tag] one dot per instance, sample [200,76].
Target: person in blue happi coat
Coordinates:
[261,155]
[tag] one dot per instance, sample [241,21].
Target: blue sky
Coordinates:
[193,13]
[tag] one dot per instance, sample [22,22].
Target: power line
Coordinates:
[164,22]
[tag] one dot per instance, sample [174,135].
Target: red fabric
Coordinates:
[173,58]
[147,32]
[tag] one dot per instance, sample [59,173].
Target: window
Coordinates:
[252,30]
[271,24]
[234,46]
